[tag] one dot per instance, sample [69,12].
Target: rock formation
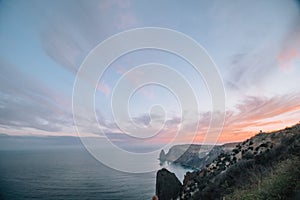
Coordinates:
[194,156]
[162,156]
[233,168]
[167,185]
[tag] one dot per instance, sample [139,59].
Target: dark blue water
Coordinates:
[47,170]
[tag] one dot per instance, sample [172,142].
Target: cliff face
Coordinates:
[256,157]
[167,185]
[162,156]
[175,152]
[194,156]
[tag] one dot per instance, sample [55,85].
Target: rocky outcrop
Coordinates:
[194,156]
[235,166]
[162,156]
[167,185]
[229,169]
[175,152]
[199,159]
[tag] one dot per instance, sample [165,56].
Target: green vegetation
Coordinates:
[280,183]
[272,174]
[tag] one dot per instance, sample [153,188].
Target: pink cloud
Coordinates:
[126,20]
[148,92]
[108,4]
[253,114]
[290,52]
[287,58]
[120,70]
[256,113]
[104,88]
[135,79]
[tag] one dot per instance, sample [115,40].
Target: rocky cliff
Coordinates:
[194,156]
[252,163]
[167,185]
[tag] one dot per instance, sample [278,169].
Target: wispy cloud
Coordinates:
[104,88]
[287,59]
[290,53]
[249,41]
[27,103]
[250,116]
[256,113]
[68,37]
[257,39]
[109,4]
[126,20]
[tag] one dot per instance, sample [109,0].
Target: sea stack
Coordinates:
[167,185]
[162,156]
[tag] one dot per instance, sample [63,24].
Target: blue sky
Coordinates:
[255,45]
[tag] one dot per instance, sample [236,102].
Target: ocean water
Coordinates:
[47,169]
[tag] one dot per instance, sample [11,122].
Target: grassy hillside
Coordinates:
[281,182]
[265,166]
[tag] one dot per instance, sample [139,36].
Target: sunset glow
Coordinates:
[43,46]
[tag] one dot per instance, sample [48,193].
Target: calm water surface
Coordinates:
[39,170]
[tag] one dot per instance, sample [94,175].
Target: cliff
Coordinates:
[262,167]
[167,185]
[194,156]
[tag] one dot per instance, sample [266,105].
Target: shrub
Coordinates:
[280,183]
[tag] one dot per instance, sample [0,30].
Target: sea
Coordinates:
[57,168]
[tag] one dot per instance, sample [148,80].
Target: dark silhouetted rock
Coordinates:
[162,156]
[167,185]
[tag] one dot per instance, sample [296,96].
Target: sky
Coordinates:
[254,44]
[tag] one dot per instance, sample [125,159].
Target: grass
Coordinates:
[280,183]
